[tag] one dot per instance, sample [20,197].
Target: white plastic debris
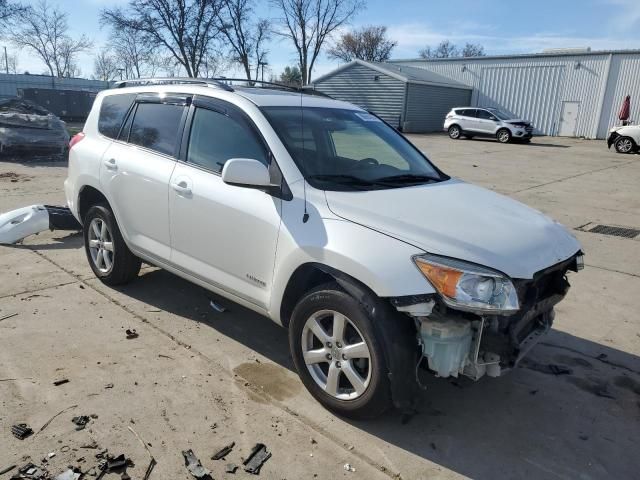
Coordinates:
[349,468]
[22,222]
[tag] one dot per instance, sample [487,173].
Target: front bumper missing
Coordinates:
[613,136]
[498,343]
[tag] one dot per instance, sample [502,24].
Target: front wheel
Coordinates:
[337,353]
[503,135]
[109,257]
[624,145]
[454,132]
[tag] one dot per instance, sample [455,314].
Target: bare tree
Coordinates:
[368,43]
[215,63]
[309,23]
[9,10]
[473,50]
[446,49]
[44,30]
[245,35]
[105,67]
[132,52]
[185,28]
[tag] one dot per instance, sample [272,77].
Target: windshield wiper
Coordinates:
[406,178]
[344,179]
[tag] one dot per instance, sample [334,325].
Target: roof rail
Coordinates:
[309,90]
[173,81]
[252,83]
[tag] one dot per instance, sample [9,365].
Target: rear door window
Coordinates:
[112,112]
[216,137]
[155,126]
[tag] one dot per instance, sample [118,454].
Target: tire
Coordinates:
[455,132]
[625,145]
[108,255]
[503,135]
[322,307]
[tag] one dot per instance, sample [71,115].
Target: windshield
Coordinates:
[500,114]
[340,149]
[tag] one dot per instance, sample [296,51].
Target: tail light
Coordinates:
[76,139]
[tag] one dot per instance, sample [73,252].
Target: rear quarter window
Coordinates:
[112,112]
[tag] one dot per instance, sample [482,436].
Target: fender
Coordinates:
[380,262]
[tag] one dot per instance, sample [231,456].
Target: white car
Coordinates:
[323,218]
[486,122]
[624,138]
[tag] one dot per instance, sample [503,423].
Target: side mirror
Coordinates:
[246,172]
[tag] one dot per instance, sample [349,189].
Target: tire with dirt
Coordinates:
[454,132]
[109,257]
[625,145]
[338,354]
[503,135]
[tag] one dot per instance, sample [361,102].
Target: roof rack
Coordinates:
[221,82]
[277,86]
[173,81]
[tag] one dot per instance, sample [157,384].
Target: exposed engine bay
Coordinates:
[457,343]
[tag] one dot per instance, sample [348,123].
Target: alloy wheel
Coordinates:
[624,145]
[503,136]
[101,245]
[336,355]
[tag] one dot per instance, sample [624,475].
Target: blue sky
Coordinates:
[502,26]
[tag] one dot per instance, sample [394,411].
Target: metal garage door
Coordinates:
[529,92]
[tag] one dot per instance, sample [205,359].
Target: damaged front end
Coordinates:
[477,342]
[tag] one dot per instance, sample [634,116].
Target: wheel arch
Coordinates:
[87,197]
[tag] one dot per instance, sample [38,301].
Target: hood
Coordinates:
[463,221]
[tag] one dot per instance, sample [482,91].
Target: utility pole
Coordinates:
[6,60]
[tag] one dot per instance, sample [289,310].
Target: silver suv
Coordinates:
[486,122]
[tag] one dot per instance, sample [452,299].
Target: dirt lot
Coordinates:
[199,379]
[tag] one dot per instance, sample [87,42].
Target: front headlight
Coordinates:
[469,287]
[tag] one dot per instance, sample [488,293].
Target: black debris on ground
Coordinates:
[62,381]
[257,458]
[7,469]
[194,465]
[223,452]
[32,471]
[81,421]
[131,333]
[21,431]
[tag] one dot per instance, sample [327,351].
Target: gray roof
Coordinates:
[559,53]
[401,72]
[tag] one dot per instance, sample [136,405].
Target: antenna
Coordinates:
[305,217]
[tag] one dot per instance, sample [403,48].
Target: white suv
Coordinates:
[325,219]
[486,122]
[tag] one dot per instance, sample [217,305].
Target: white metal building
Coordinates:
[566,93]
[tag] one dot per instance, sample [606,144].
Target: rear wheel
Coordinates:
[108,254]
[503,135]
[454,132]
[625,145]
[337,353]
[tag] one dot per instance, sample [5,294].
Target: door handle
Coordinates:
[181,187]
[111,164]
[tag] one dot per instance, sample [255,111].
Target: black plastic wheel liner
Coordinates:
[398,337]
